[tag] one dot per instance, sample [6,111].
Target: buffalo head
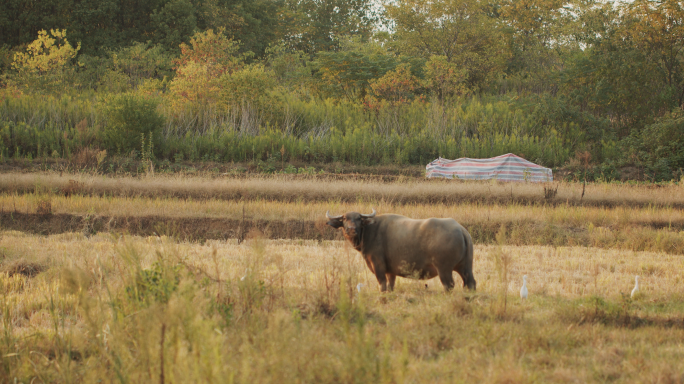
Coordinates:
[352,224]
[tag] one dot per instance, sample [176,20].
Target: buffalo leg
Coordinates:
[447,280]
[467,276]
[382,279]
[390,279]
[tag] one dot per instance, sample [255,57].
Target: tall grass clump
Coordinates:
[313,130]
[58,112]
[359,145]
[175,318]
[131,118]
[503,262]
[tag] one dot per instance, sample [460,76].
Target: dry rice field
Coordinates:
[112,304]
[348,189]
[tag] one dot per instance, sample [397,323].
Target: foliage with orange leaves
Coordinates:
[397,86]
[445,78]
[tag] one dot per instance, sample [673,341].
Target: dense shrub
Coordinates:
[321,131]
[130,119]
[45,63]
[659,147]
[248,85]
[360,145]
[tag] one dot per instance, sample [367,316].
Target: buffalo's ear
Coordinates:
[368,221]
[335,223]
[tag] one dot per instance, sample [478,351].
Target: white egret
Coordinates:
[636,286]
[247,270]
[523,290]
[359,286]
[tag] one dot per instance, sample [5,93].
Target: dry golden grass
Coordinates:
[131,309]
[577,216]
[287,311]
[647,228]
[289,189]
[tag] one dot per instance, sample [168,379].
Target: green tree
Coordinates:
[463,31]
[397,86]
[659,146]
[174,23]
[134,22]
[209,56]
[445,79]
[6,58]
[656,29]
[21,20]
[95,24]
[320,25]
[142,61]
[129,118]
[537,36]
[614,76]
[215,50]
[248,86]
[349,70]
[289,66]
[99,25]
[254,23]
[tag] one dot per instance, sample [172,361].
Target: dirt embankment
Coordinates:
[125,166]
[664,237]
[190,229]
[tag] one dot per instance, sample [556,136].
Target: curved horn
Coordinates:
[370,215]
[327,214]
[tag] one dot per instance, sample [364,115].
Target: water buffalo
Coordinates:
[394,245]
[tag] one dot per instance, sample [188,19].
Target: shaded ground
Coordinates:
[125,166]
[191,229]
[129,166]
[200,229]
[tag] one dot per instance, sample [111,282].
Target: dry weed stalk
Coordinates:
[242,229]
[161,354]
[503,262]
[550,192]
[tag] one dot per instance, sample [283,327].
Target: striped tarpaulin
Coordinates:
[508,167]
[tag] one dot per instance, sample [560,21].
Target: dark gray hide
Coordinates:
[394,245]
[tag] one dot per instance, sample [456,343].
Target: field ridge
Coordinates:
[655,236]
[351,188]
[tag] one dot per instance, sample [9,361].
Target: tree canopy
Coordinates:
[597,74]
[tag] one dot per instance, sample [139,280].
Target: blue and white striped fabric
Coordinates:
[508,167]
